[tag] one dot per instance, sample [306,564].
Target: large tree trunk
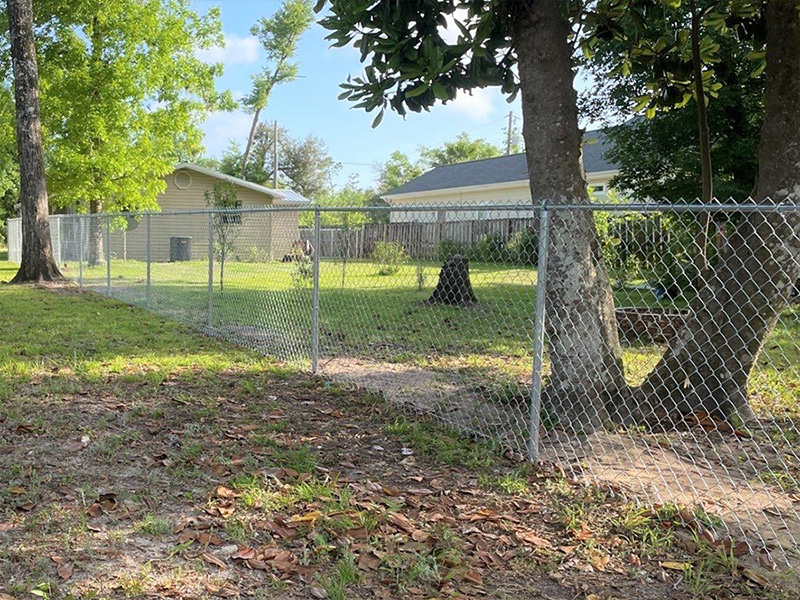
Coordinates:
[707,366]
[94,235]
[706,169]
[37,262]
[586,375]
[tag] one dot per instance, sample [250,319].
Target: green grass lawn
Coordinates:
[386,318]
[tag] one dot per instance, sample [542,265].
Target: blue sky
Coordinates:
[309,105]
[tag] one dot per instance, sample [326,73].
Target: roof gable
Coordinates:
[283,197]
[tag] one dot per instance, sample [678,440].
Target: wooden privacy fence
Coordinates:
[420,240]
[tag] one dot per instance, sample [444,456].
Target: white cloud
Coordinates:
[235,51]
[222,127]
[477,105]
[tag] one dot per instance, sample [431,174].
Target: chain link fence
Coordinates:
[662,359]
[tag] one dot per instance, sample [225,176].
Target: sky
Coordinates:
[309,105]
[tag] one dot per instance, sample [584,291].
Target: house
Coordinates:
[258,235]
[502,180]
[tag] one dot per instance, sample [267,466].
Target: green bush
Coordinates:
[302,271]
[390,256]
[489,248]
[523,247]
[448,247]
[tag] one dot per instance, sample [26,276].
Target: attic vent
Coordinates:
[182,180]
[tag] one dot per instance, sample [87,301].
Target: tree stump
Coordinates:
[454,286]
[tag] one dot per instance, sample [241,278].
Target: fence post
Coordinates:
[108,256]
[315,295]
[59,231]
[538,336]
[210,302]
[80,252]
[147,251]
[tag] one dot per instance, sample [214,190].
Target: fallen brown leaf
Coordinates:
[213,560]
[401,522]
[367,561]
[529,537]
[65,570]
[473,577]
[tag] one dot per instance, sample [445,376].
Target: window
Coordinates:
[233,219]
[183,180]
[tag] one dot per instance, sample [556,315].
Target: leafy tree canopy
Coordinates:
[400,168]
[279,35]
[122,96]
[351,195]
[462,149]
[651,41]
[659,156]
[304,164]
[409,66]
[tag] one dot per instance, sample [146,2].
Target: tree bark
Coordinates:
[706,168]
[586,378]
[37,262]
[249,146]
[707,366]
[94,245]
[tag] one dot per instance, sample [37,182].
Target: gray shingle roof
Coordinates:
[502,169]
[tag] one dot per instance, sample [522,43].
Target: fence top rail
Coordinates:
[748,207]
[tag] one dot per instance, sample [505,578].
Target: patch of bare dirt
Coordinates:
[718,472]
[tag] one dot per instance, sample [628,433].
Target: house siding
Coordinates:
[512,193]
[258,236]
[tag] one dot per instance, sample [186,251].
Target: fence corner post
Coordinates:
[108,255]
[315,294]
[210,302]
[538,337]
[147,251]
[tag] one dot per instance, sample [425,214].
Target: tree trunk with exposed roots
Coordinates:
[707,366]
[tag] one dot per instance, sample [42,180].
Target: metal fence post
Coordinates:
[108,256]
[315,295]
[538,336]
[80,252]
[210,302]
[59,231]
[147,250]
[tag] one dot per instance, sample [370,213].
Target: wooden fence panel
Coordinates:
[420,239]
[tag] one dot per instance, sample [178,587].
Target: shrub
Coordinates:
[523,247]
[489,248]
[390,257]
[421,279]
[302,271]
[447,247]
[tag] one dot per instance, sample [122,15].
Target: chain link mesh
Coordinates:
[670,354]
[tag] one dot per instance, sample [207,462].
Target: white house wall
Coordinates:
[513,193]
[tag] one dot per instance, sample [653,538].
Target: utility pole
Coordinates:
[510,132]
[275,155]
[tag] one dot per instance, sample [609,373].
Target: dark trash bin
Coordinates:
[180,248]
